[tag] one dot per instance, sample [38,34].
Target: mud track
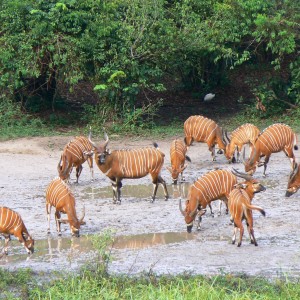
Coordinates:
[157,232]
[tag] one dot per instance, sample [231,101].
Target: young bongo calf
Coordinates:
[59,195]
[12,223]
[178,156]
[240,207]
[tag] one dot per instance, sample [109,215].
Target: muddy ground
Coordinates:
[152,236]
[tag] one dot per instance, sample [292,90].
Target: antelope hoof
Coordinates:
[232,242]
[59,234]
[239,244]
[48,231]
[255,244]
[166,198]
[6,252]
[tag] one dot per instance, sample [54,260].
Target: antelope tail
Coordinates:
[255,207]
[295,142]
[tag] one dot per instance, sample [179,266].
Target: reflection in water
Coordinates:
[137,191]
[151,239]
[180,190]
[50,249]
[61,253]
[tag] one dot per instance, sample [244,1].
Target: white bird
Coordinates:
[209,97]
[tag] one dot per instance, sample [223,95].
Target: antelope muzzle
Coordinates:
[189,228]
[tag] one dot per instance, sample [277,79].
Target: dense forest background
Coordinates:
[124,60]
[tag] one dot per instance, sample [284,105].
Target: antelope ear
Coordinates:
[243,185]
[240,185]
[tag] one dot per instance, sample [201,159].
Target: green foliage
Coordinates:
[103,244]
[14,123]
[94,285]
[15,283]
[129,49]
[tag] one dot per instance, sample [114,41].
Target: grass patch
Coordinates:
[95,282]
[91,284]
[16,285]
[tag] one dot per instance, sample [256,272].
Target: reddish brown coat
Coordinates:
[211,186]
[59,195]
[74,154]
[202,129]
[130,163]
[11,223]
[178,156]
[244,134]
[275,138]
[294,181]
[240,208]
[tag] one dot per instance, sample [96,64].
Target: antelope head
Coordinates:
[29,244]
[74,223]
[294,181]
[250,184]
[189,216]
[62,167]
[101,151]
[251,163]
[175,172]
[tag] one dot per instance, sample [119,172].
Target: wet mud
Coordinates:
[148,236]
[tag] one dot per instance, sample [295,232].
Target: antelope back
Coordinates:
[236,196]
[75,150]
[211,186]
[199,128]
[58,194]
[177,153]
[74,153]
[244,134]
[275,138]
[10,221]
[136,163]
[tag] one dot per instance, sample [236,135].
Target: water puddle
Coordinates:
[61,253]
[137,191]
[151,239]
